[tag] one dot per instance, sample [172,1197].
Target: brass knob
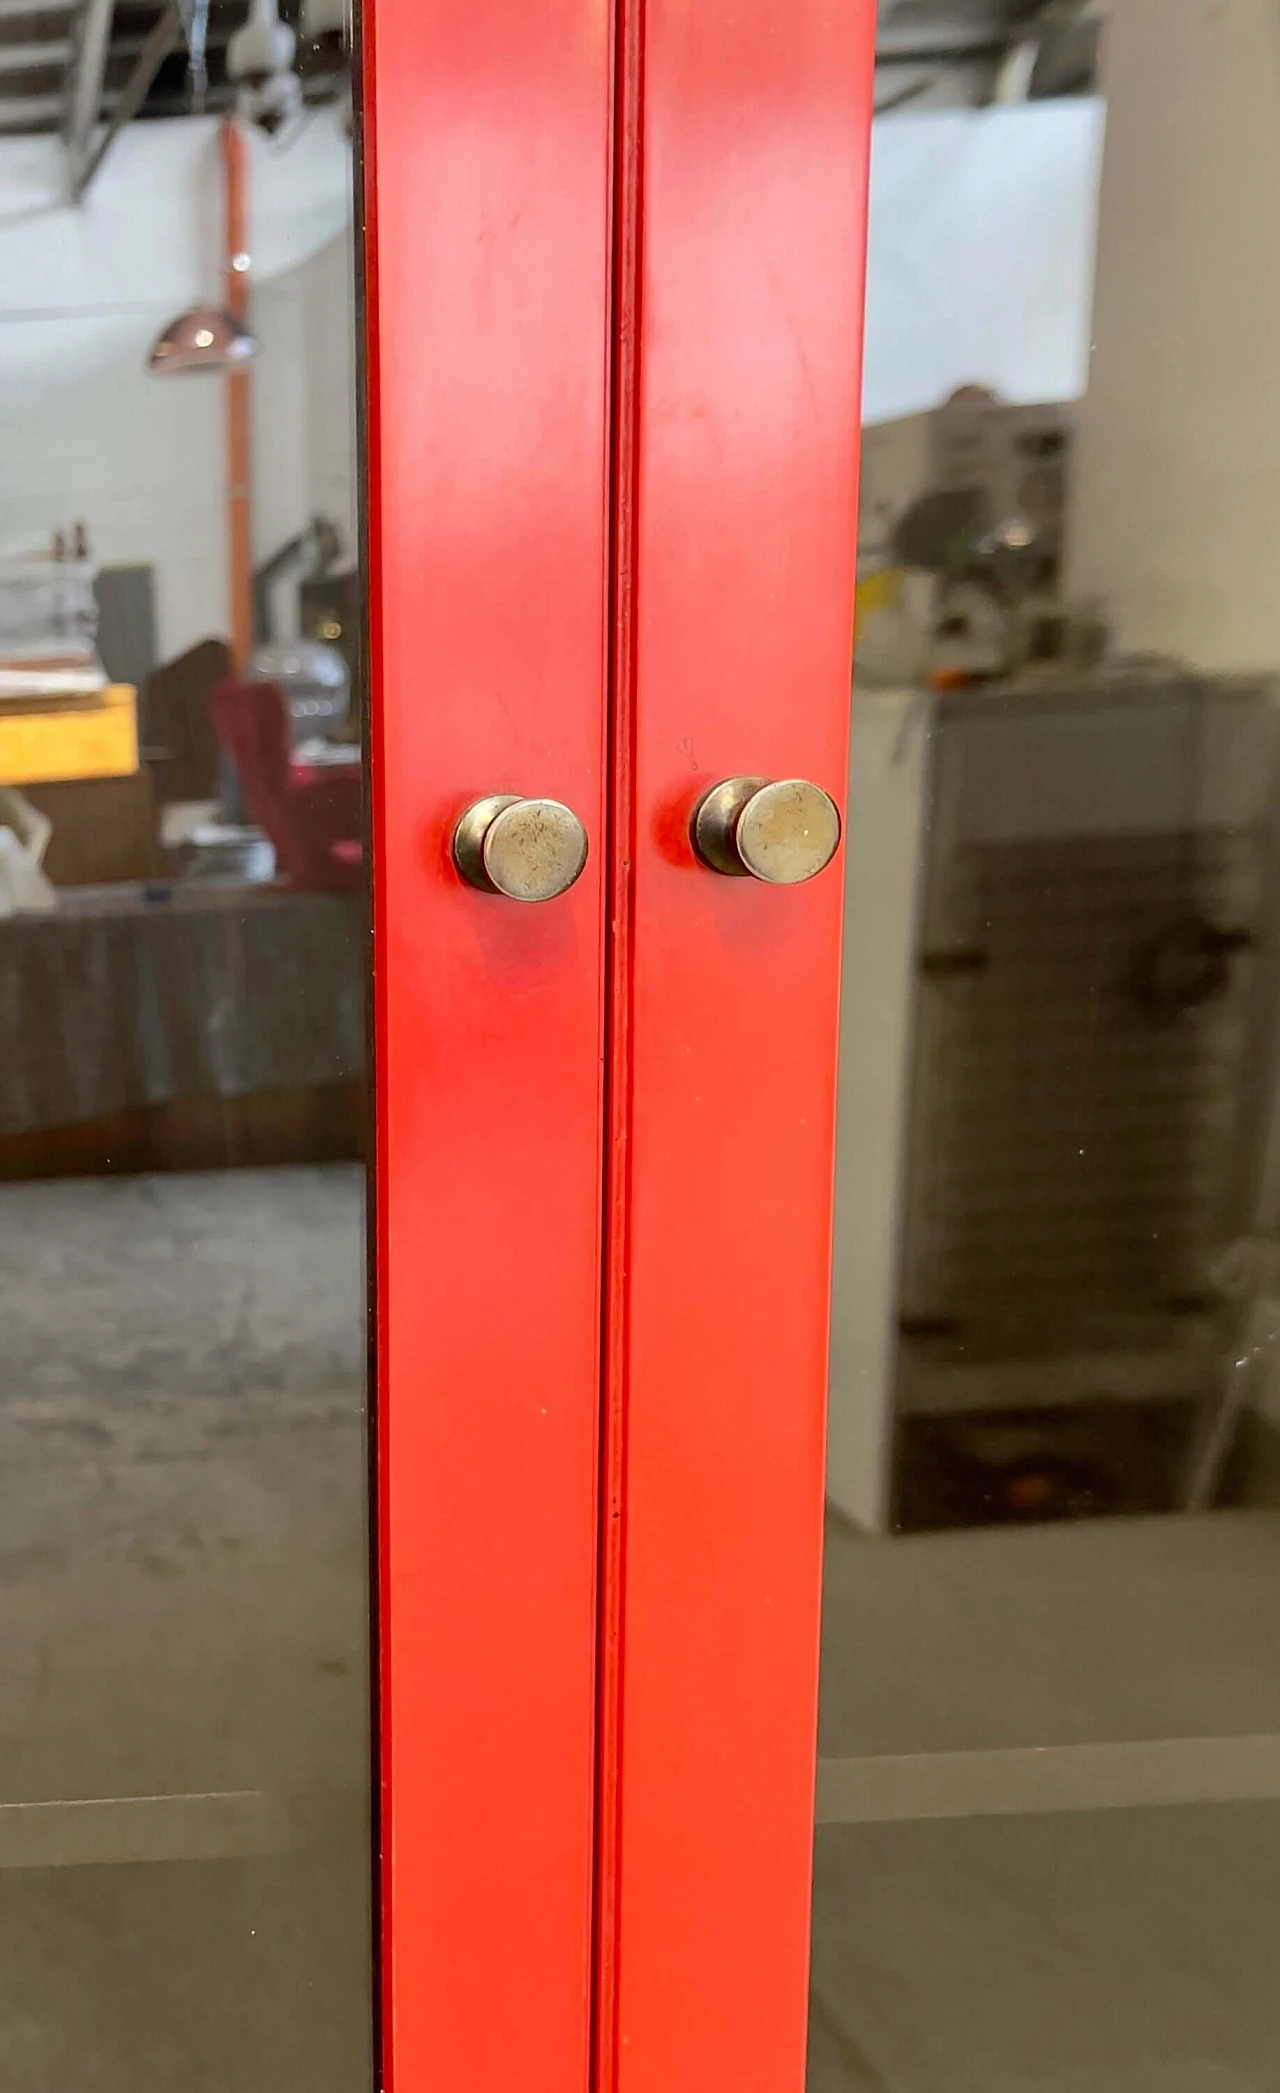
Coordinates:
[527,849]
[781,831]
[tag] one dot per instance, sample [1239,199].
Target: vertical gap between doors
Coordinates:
[624,332]
[364,144]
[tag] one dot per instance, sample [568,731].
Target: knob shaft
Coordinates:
[782,830]
[524,849]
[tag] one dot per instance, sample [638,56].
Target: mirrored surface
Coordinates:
[185,1723]
[1048,1848]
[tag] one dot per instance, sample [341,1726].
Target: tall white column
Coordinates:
[1176,510]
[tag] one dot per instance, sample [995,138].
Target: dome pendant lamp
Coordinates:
[207,338]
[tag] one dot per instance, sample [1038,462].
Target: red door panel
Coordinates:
[736,588]
[486,194]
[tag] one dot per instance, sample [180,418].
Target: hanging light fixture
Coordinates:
[207,338]
[268,93]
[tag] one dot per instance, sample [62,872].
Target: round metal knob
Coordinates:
[527,849]
[783,831]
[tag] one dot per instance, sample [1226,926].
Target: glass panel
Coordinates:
[185,1722]
[1048,1848]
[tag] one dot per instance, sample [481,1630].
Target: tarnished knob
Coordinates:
[527,849]
[782,831]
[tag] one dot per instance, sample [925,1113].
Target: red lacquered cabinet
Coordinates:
[612,320]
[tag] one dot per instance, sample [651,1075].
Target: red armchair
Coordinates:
[312,814]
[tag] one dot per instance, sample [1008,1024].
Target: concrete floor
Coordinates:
[182,1550]
[1116,1950]
[183,1610]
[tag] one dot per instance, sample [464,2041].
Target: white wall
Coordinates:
[884,860]
[980,254]
[305,404]
[86,431]
[329,364]
[1176,515]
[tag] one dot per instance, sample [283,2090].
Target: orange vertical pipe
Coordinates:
[239,398]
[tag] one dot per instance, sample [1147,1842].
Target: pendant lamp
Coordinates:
[207,338]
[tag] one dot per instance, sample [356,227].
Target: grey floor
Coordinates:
[1065,1950]
[1113,1952]
[182,1611]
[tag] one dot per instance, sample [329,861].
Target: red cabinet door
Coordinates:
[486,193]
[745,135]
[614,283]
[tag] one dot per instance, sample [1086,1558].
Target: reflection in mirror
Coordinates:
[1048,1849]
[184,1731]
